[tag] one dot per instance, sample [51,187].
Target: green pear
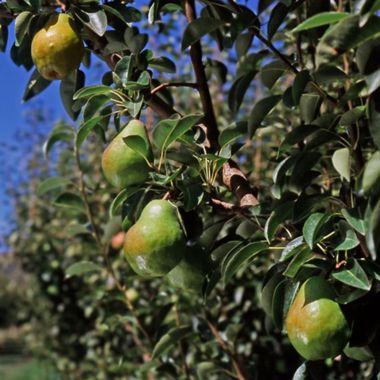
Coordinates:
[315,323]
[155,244]
[191,271]
[121,165]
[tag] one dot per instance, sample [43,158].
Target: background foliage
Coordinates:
[289,95]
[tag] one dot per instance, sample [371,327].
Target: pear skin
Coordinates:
[57,48]
[121,165]
[316,325]
[155,244]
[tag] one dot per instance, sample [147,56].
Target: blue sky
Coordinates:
[12,112]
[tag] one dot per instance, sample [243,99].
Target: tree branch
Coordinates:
[173,84]
[201,79]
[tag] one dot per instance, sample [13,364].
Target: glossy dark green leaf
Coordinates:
[320,19]
[169,340]
[205,369]
[277,216]
[22,24]
[199,28]
[352,116]
[271,72]
[292,248]
[36,85]
[89,91]
[312,227]
[138,145]
[329,74]
[51,183]
[68,87]
[300,258]
[96,21]
[239,258]
[86,129]
[3,37]
[337,39]
[123,70]
[260,110]
[94,105]
[278,15]
[354,220]
[352,274]
[350,241]
[238,90]
[163,64]
[300,82]
[82,267]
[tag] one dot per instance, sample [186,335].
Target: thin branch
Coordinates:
[235,362]
[103,248]
[201,79]
[172,84]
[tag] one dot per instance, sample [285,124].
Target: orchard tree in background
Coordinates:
[243,177]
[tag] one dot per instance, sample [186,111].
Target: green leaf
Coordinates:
[312,227]
[320,19]
[75,229]
[199,28]
[69,200]
[352,116]
[89,91]
[163,64]
[278,15]
[341,161]
[169,130]
[354,220]
[240,257]
[301,373]
[3,37]
[51,183]
[123,71]
[277,216]
[228,136]
[300,82]
[36,85]
[374,117]
[238,90]
[61,132]
[309,104]
[350,241]
[22,24]
[352,274]
[260,111]
[371,174]
[205,369]
[292,248]
[271,72]
[68,87]
[137,144]
[118,202]
[373,224]
[301,257]
[96,21]
[170,339]
[82,267]
[337,39]
[86,129]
